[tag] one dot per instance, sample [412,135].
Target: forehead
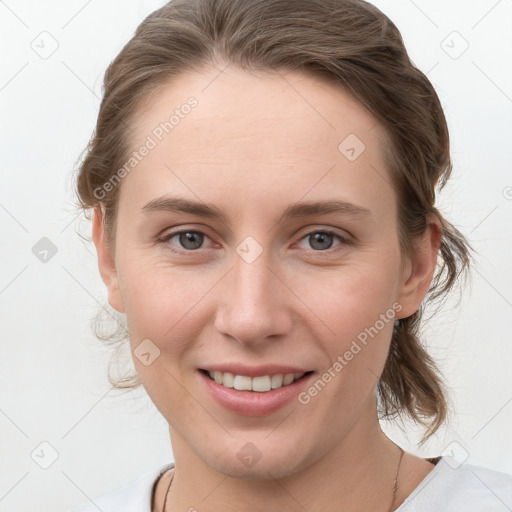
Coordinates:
[273,134]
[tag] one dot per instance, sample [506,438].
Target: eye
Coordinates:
[322,240]
[188,239]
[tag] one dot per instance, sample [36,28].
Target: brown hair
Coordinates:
[348,42]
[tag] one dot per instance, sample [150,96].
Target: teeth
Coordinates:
[277,381]
[259,384]
[242,383]
[288,379]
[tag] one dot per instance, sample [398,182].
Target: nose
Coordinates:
[255,305]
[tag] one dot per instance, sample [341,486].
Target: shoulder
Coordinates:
[455,487]
[135,496]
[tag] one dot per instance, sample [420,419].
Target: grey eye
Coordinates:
[191,239]
[321,240]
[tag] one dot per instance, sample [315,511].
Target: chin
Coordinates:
[258,460]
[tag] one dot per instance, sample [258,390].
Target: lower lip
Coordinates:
[254,403]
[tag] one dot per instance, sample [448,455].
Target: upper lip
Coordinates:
[254,371]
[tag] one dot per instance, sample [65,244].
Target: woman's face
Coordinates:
[267,281]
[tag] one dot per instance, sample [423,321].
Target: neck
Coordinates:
[358,473]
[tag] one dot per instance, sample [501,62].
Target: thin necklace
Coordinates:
[395,485]
[168,492]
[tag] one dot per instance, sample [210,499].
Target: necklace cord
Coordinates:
[395,485]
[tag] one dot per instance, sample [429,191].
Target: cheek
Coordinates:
[161,306]
[156,295]
[355,310]
[350,298]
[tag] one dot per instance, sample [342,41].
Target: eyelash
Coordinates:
[345,241]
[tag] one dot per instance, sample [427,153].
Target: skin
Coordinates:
[255,144]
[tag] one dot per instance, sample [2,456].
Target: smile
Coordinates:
[263,392]
[260,384]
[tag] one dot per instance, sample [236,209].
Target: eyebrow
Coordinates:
[305,209]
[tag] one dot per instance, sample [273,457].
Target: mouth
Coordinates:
[262,394]
[259,384]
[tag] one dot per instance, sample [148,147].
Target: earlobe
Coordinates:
[106,262]
[419,273]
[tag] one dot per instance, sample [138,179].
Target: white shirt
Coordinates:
[449,487]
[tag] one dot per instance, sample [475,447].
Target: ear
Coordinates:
[106,262]
[418,273]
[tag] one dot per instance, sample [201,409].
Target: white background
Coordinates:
[53,371]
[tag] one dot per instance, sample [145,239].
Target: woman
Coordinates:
[263,179]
